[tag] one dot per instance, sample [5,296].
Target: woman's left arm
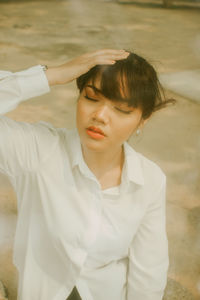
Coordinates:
[148,253]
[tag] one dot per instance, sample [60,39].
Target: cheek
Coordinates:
[122,133]
[127,128]
[80,111]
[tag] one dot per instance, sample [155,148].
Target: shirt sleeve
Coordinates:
[20,86]
[148,253]
[23,146]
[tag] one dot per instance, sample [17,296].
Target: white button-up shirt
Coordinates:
[111,243]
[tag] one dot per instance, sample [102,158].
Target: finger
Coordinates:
[109,52]
[111,56]
[100,59]
[118,56]
[106,61]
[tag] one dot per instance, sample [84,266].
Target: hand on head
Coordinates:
[82,64]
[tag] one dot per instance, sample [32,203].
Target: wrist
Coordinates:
[44,67]
[53,75]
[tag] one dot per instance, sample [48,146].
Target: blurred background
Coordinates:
[167,33]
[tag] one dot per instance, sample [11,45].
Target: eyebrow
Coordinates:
[95,89]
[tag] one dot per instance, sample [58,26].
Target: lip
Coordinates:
[96,129]
[95,132]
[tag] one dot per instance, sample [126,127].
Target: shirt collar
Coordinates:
[75,147]
[77,155]
[132,163]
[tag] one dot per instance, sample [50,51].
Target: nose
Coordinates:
[101,114]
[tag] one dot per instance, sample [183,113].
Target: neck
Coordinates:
[105,165]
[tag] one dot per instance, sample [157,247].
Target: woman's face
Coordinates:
[104,125]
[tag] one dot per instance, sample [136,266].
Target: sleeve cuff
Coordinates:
[33,82]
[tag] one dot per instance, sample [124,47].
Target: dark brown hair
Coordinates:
[133,80]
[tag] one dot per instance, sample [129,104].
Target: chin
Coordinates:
[93,145]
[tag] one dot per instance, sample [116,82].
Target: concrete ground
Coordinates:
[51,32]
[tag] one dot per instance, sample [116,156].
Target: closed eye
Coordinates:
[91,99]
[117,108]
[123,111]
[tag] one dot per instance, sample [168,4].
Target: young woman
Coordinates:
[91,210]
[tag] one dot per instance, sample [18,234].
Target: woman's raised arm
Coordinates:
[19,86]
[24,146]
[82,64]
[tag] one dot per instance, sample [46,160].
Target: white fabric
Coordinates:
[111,244]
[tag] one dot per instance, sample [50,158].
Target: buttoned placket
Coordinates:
[95,189]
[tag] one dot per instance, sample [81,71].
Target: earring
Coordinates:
[138,131]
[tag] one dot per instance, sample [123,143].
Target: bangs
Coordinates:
[132,80]
[116,81]
[113,83]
